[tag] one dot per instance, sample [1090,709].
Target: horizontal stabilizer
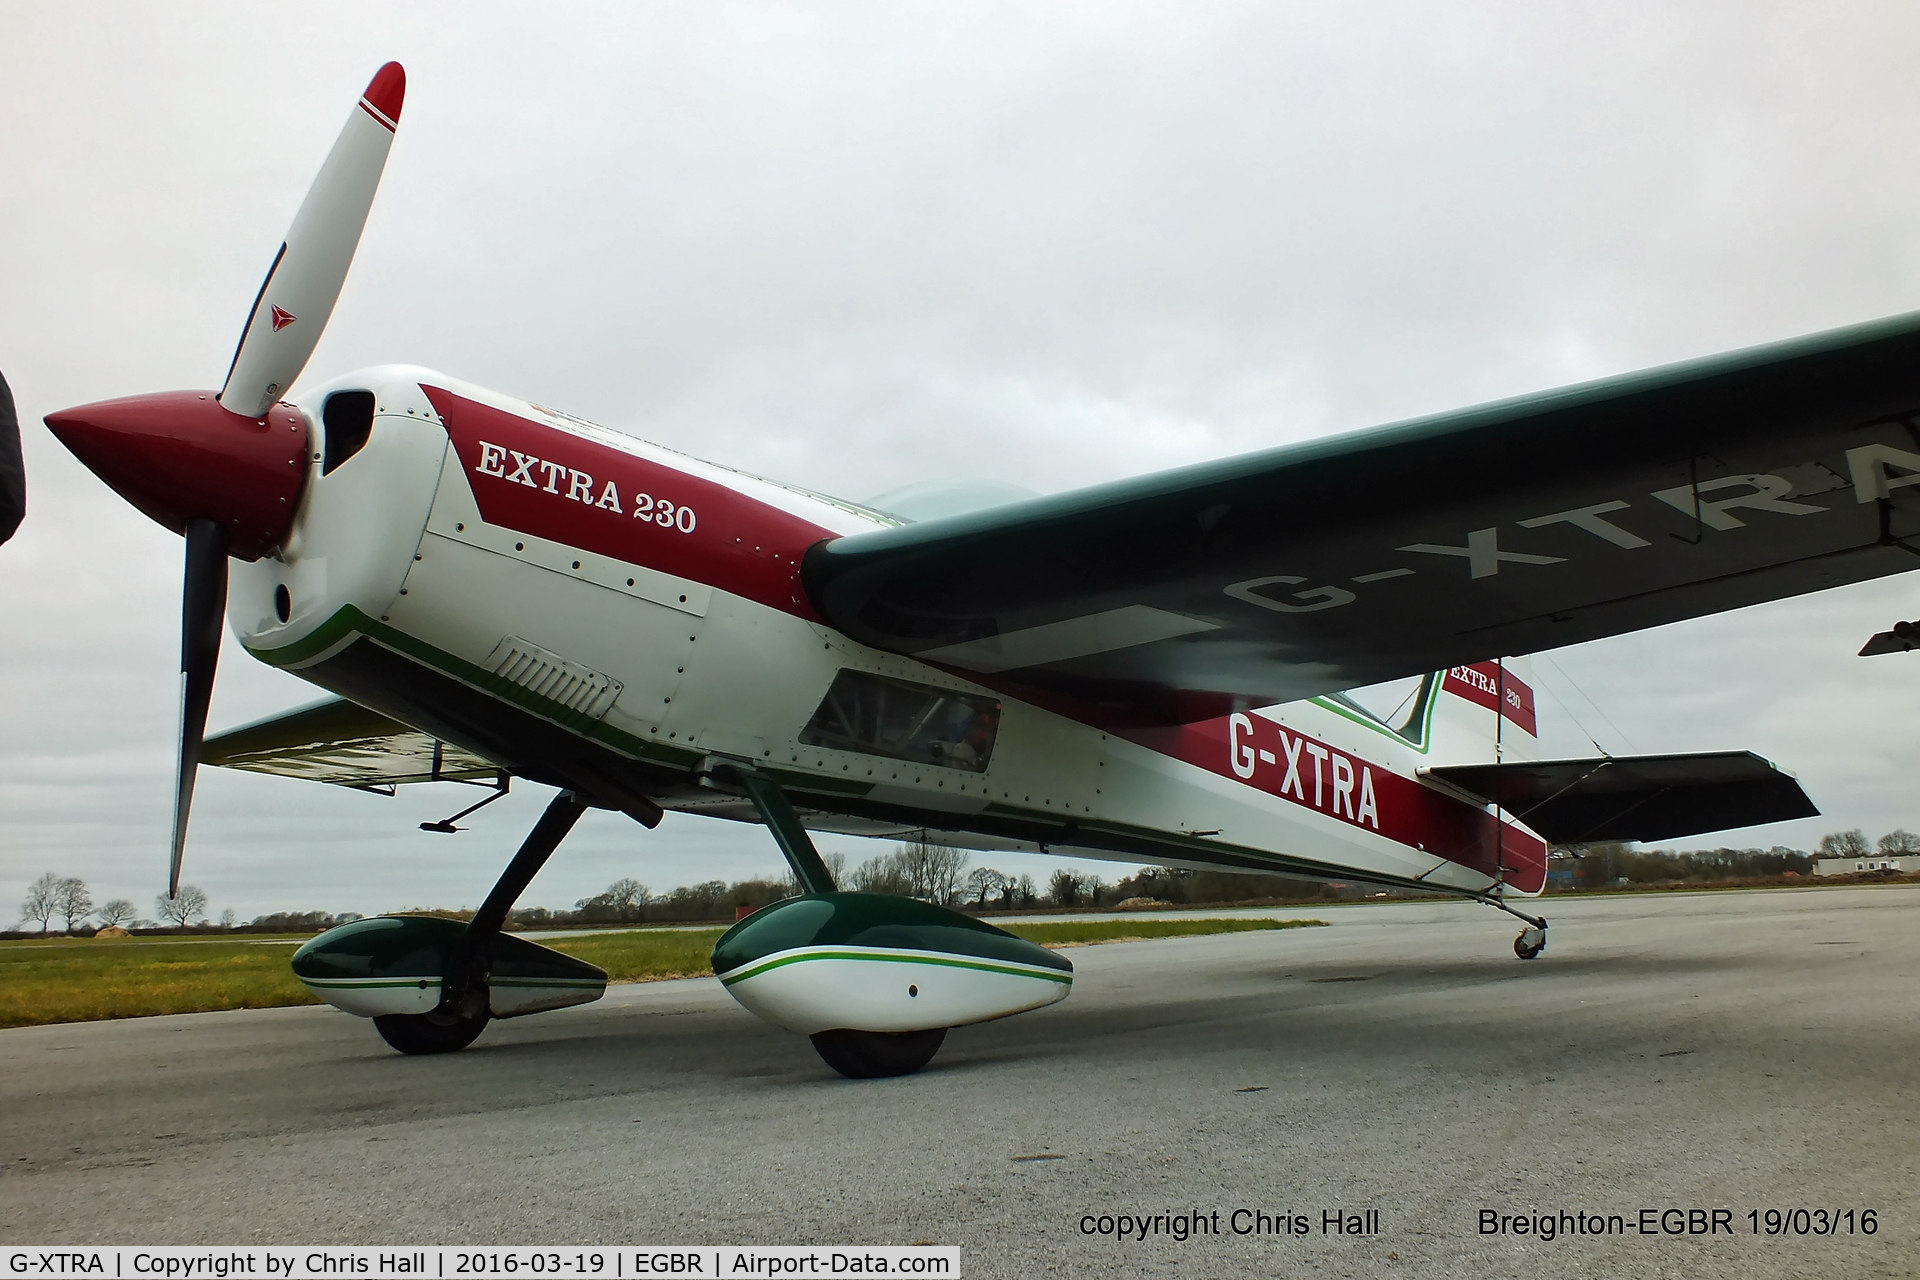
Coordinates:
[1904,638]
[342,742]
[1635,797]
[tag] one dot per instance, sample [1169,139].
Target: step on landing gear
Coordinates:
[463,1010]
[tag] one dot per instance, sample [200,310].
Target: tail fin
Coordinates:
[1485,713]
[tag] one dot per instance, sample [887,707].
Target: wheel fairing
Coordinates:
[873,962]
[393,965]
[873,920]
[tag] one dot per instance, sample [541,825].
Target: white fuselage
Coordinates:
[529,585]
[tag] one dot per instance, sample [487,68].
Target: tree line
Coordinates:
[69,900]
[1853,844]
[1596,865]
[936,873]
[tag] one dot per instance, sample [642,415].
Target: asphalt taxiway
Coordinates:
[1745,1051]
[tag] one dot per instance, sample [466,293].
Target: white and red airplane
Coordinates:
[1191,668]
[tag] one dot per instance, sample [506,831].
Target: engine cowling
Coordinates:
[875,962]
[393,964]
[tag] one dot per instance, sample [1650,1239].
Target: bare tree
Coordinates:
[42,902]
[1064,888]
[1899,841]
[183,906]
[628,893]
[983,883]
[229,918]
[946,871]
[624,900]
[1845,844]
[933,871]
[75,903]
[882,873]
[117,912]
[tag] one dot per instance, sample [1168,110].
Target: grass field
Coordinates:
[84,979]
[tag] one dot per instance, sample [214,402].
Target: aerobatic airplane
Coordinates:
[1289,661]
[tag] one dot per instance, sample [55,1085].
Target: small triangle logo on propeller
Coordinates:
[281,319]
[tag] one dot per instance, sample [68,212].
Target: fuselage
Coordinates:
[593,611]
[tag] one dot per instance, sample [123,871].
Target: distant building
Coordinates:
[1905,863]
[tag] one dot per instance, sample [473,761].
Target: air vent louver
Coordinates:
[552,677]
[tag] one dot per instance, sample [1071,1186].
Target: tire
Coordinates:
[415,1033]
[1525,952]
[870,1055]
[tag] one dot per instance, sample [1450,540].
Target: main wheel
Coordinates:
[868,1055]
[1525,952]
[428,1032]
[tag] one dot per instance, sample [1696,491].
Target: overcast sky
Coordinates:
[856,246]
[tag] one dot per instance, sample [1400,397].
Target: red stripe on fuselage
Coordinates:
[541,480]
[1304,771]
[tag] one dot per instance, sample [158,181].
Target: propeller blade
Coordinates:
[13,472]
[290,312]
[203,607]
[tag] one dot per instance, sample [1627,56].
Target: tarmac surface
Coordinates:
[1738,1051]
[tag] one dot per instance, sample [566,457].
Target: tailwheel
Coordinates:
[869,1055]
[1531,942]
[435,1032]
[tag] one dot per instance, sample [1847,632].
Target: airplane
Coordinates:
[1300,660]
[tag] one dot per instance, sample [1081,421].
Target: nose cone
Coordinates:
[179,456]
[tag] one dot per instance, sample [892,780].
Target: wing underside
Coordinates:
[342,742]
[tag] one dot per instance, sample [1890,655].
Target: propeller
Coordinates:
[225,470]
[295,300]
[203,603]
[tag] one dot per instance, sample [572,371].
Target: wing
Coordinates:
[342,742]
[1512,528]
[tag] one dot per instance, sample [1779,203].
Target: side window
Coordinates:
[1398,706]
[877,716]
[348,418]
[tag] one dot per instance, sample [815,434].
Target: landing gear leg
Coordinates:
[809,869]
[462,1013]
[858,1055]
[1533,939]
